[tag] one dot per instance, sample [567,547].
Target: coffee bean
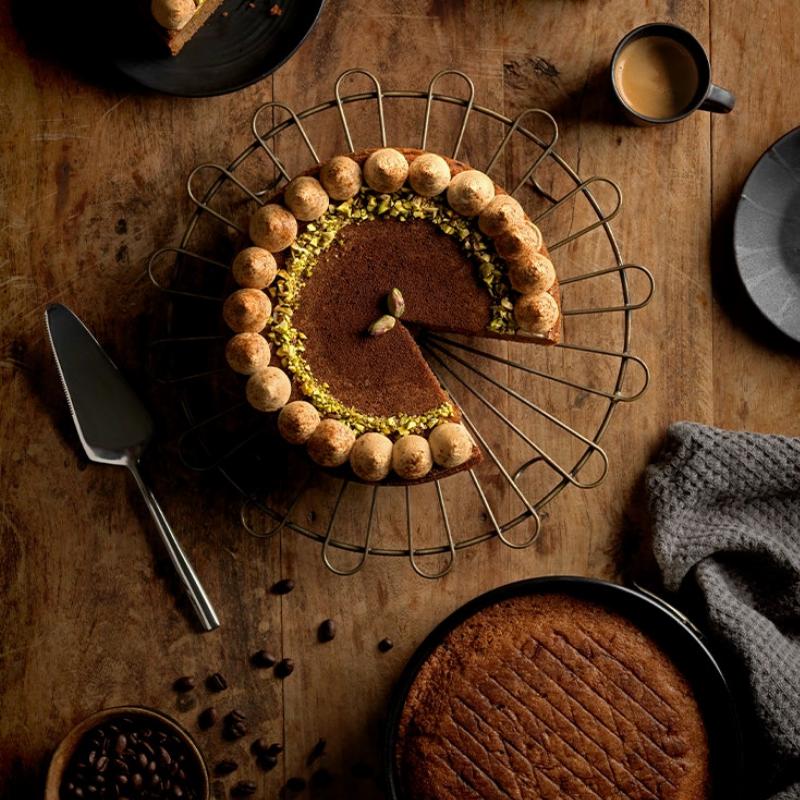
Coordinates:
[235,716]
[296,784]
[101,764]
[317,751]
[225,768]
[184,684]
[263,659]
[284,668]
[163,756]
[259,747]
[207,718]
[283,587]
[216,682]
[267,762]
[275,749]
[244,789]
[235,731]
[137,780]
[385,645]
[326,631]
[120,744]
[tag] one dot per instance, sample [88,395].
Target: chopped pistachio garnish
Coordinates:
[404,205]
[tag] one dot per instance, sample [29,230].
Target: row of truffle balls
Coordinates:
[470,193]
[372,456]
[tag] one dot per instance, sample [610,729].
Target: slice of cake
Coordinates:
[181,19]
[548,696]
[351,261]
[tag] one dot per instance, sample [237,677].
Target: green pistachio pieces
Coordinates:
[382,325]
[395,303]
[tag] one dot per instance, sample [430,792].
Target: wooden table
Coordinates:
[90,185]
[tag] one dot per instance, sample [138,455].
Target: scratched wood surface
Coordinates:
[91,182]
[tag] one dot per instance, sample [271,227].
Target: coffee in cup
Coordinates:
[660,73]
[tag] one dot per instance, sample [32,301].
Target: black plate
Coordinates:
[766,234]
[655,618]
[228,53]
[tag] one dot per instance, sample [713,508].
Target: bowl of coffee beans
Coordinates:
[128,753]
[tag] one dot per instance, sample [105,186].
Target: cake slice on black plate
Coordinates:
[181,19]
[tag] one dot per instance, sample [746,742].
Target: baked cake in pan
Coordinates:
[548,697]
[348,264]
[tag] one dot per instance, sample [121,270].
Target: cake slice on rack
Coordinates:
[351,262]
[180,20]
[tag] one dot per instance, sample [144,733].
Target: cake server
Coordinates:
[114,428]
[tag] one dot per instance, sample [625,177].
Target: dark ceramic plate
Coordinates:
[237,46]
[664,624]
[766,234]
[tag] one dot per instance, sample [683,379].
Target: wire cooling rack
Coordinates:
[538,413]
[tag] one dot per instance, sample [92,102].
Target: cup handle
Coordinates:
[718,100]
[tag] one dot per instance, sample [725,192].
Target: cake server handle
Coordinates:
[197,595]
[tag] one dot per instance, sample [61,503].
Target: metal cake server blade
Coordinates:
[114,428]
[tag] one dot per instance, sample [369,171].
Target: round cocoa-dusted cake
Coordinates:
[548,696]
[345,266]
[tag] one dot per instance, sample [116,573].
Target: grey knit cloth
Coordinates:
[725,509]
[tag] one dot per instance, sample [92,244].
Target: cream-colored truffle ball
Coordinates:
[305,198]
[268,389]
[297,421]
[247,310]
[247,353]
[536,313]
[451,445]
[470,192]
[273,228]
[501,214]
[331,443]
[521,243]
[429,175]
[534,276]
[254,268]
[411,457]
[386,170]
[173,14]
[371,456]
[341,177]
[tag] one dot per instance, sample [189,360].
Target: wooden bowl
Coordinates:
[65,750]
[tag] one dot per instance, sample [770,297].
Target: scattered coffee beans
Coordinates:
[296,784]
[385,645]
[184,684]
[284,668]
[128,756]
[207,718]
[225,768]
[283,587]
[326,631]
[263,659]
[216,682]
[244,789]
[275,749]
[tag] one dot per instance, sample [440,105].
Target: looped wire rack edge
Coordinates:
[443,352]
